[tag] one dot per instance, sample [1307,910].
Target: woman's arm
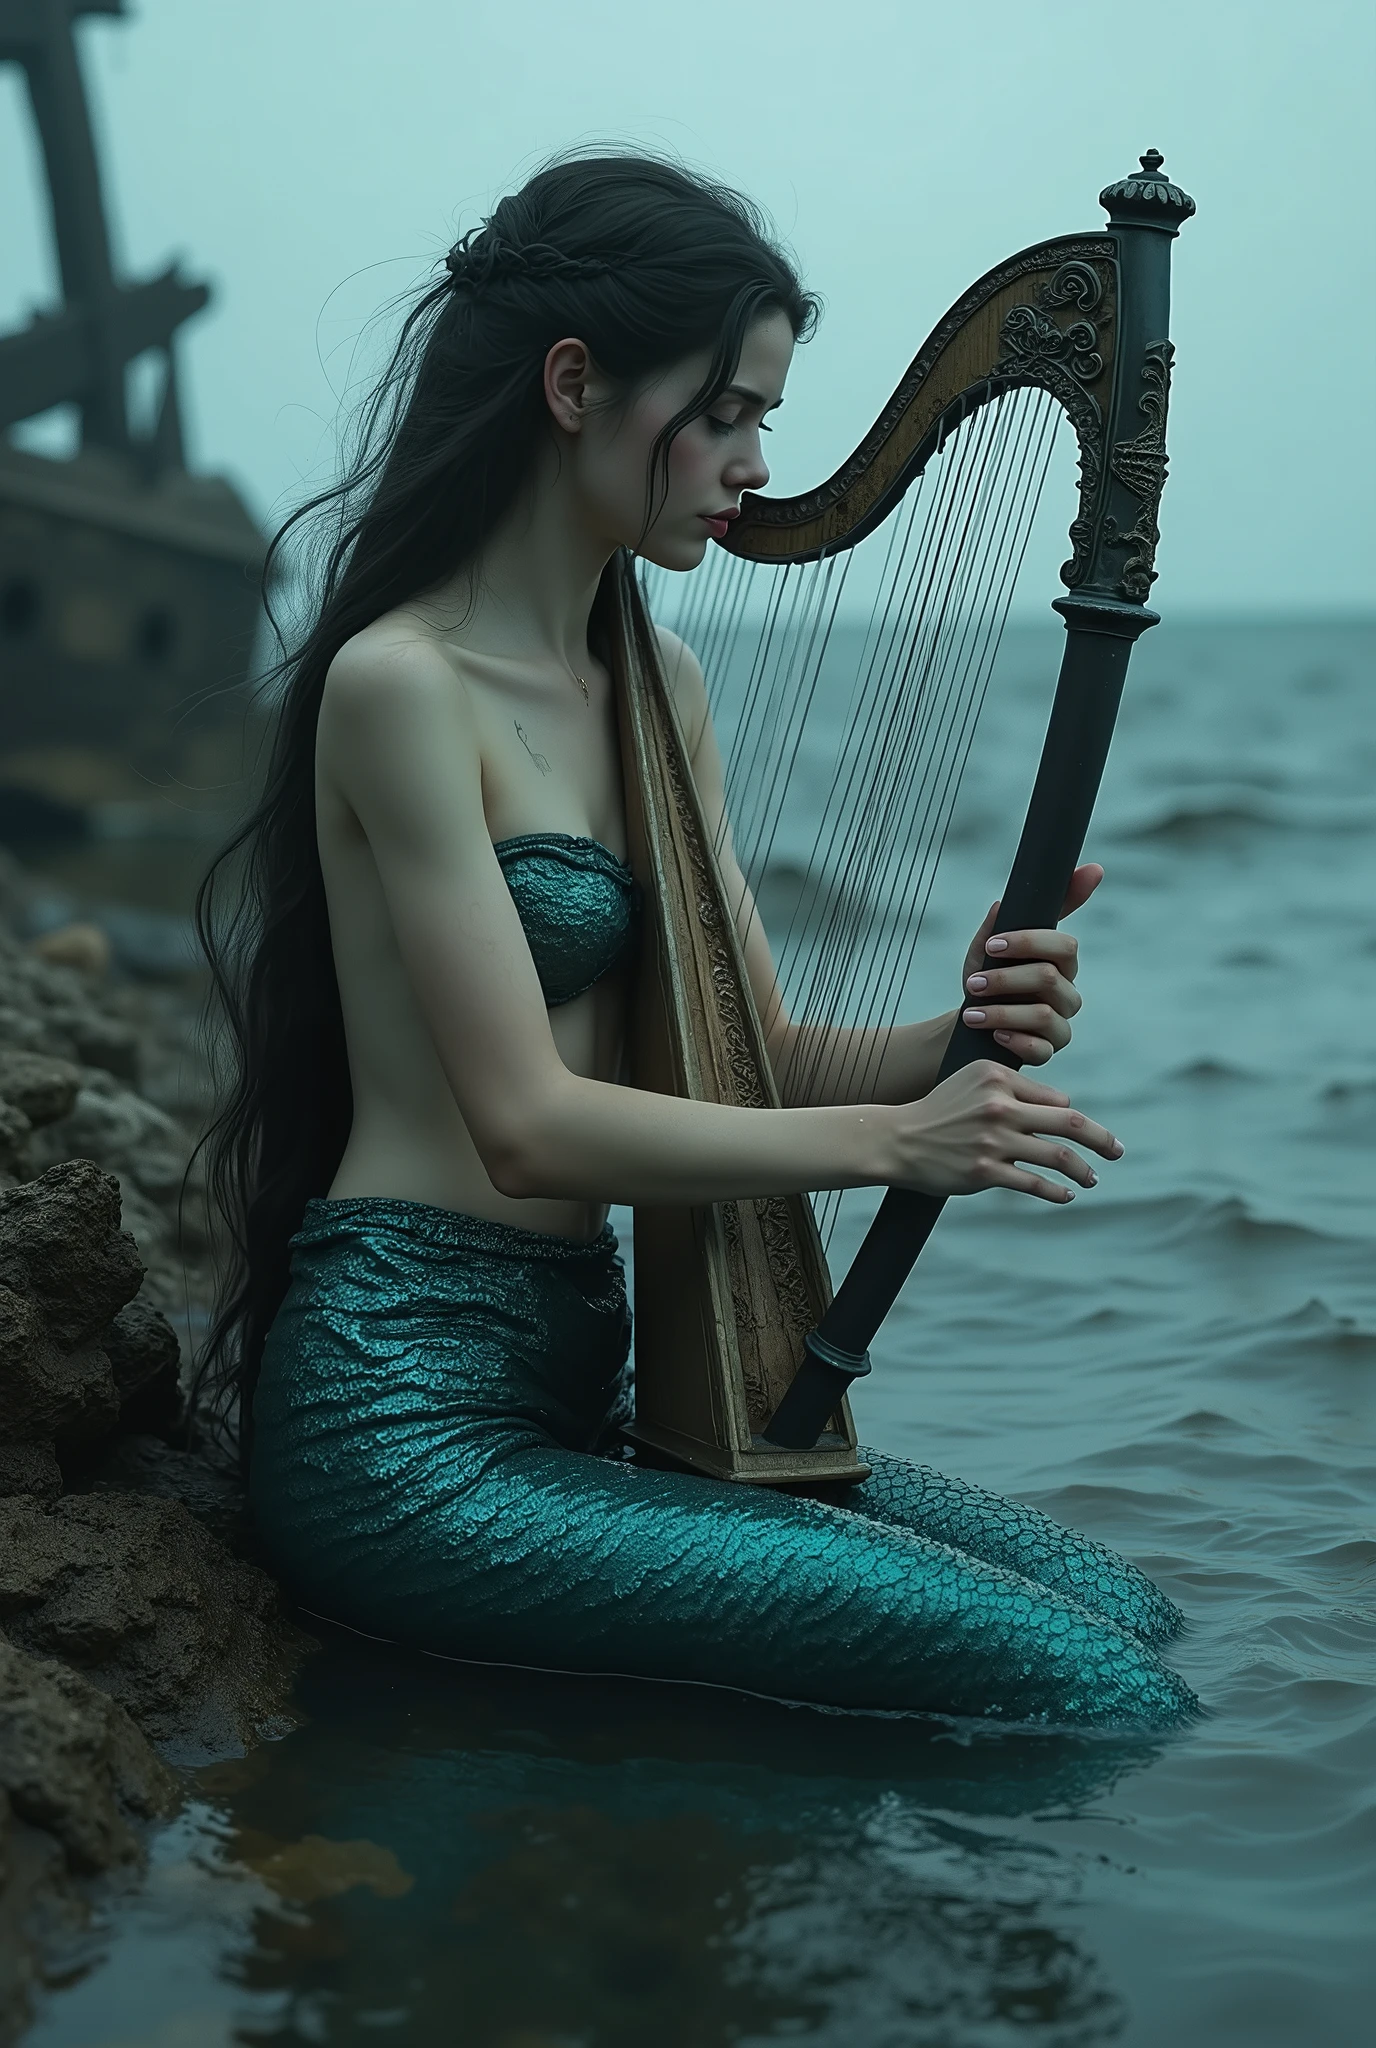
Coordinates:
[1021,990]
[398,738]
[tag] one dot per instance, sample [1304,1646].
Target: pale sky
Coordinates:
[312,158]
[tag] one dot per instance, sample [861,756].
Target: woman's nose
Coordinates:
[750,473]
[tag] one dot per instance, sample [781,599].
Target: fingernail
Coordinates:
[1069,1194]
[1004,1037]
[977,983]
[1117,1148]
[974,1017]
[1093,1180]
[996,945]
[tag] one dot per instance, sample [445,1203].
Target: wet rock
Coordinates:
[158,1613]
[145,1464]
[46,1394]
[61,1245]
[145,1359]
[77,1781]
[43,1088]
[30,1468]
[73,1763]
[41,1911]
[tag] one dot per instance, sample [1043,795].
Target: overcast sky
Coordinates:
[312,158]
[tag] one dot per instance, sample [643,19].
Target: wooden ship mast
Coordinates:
[130,586]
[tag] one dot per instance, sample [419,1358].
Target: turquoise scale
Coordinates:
[436,1461]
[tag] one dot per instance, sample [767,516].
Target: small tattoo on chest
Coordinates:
[541,763]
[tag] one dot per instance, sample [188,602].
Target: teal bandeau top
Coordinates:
[578,904]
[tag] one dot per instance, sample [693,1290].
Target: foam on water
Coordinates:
[1183,1363]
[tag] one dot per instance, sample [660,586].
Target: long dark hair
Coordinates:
[646,263]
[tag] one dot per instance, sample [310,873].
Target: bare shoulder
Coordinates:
[397,731]
[687,685]
[391,667]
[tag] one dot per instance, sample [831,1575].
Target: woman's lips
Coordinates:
[716,526]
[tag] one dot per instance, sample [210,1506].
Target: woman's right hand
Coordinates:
[987,1127]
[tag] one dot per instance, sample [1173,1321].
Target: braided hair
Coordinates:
[647,263]
[483,256]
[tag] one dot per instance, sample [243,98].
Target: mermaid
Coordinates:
[424,956]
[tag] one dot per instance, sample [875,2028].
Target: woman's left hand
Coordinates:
[1021,985]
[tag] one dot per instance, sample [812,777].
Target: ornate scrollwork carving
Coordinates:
[1030,339]
[776,1228]
[1140,466]
[1036,349]
[1075,284]
[774,1222]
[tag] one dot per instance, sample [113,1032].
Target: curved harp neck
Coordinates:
[1083,317]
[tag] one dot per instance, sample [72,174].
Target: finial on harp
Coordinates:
[1147,199]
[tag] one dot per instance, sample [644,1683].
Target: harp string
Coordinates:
[773,715]
[953,695]
[914,693]
[916,823]
[905,699]
[899,694]
[900,907]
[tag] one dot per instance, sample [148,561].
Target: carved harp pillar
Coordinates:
[743,1358]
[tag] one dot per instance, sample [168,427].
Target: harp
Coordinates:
[743,1355]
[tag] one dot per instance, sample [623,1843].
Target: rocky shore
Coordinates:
[137,1634]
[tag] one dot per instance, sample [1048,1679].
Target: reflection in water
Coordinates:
[568,1860]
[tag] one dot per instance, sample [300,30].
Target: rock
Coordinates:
[74,1019]
[61,1244]
[83,946]
[65,1266]
[76,1779]
[158,1614]
[20,1029]
[14,1138]
[123,1133]
[44,1089]
[106,1042]
[73,1762]
[40,1911]
[145,1464]
[145,1358]
[30,1468]
[142,1346]
[47,1394]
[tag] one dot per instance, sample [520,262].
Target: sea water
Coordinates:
[1183,1363]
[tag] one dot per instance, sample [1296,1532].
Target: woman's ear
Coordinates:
[568,367]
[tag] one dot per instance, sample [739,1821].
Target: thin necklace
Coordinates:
[582,686]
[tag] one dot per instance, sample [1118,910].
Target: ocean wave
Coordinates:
[1213,1074]
[1347,1114]
[1220,811]
[1183,1217]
